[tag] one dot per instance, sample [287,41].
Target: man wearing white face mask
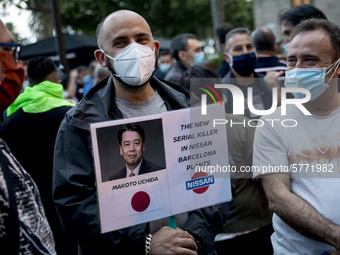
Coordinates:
[187,52]
[302,182]
[128,50]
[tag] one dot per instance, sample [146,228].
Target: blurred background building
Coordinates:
[266,12]
[78,22]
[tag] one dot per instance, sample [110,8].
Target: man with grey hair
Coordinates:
[125,43]
[302,182]
[242,59]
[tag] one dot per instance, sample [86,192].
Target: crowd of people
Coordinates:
[287,205]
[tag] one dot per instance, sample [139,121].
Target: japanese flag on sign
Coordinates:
[171,161]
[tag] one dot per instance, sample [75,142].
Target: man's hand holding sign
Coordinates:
[143,201]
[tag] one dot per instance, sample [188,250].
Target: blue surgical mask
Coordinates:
[86,78]
[286,47]
[164,68]
[312,79]
[198,59]
[244,64]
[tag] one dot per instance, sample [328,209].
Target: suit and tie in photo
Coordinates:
[131,139]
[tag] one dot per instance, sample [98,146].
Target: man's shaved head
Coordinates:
[119,17]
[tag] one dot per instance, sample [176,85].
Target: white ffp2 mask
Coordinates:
[134,64]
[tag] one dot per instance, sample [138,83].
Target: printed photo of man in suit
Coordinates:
[131,139]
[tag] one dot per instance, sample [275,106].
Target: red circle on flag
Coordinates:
[196,176]
[140,201]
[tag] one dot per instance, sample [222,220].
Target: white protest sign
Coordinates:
[175,144]
[194,142]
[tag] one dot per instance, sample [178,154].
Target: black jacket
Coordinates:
[74,189]
[145,167]
[259,84]
[175,73]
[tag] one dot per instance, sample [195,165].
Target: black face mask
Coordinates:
[244,64]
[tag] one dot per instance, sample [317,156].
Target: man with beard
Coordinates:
[127,48]
[299,166]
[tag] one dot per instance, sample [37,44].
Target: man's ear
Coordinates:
[338,70]
[181,54]
[227,57]
[120,150]
[157,47]
[100,56]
